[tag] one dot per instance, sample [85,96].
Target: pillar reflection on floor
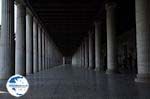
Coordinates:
[74,82]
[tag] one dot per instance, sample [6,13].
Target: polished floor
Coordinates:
[70,82]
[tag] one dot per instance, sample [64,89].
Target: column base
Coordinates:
[99,70]
[5,76]
[29,74]
[143,78]
[112,71]
[86,67]
[91,68]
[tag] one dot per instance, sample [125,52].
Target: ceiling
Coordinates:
[68,21]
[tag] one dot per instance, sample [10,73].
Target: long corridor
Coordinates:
[72,82]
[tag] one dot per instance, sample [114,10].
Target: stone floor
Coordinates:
[66,82]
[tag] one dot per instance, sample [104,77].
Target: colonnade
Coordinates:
[30,49]
[94,56]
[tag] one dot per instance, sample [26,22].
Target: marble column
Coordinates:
[143,40]
[29,43]
[111,37]
[49,53]
[46,51]
[39,47]
[7,40]
[91,51]
[74,59]
[64,60]
[43,49]
[98,47]
[82,48]
[46,47]
[20,59]
[86,53]
[35,46]
[80,55]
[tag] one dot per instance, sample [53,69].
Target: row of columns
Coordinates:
[94,55]
[31,50]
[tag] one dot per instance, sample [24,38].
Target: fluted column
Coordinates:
[35,46]
[64,60]
[91,51]
[111,37]
[46,46]
[74,58]
[98,48]
[86,53]
[45,52]
[50,56]
[143,40]
[48,53]
[40,47]
[79,57]
[29,43]
[82,49]
[43,49]
[20,60]
[7,40]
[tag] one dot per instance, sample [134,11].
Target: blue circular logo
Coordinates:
[17,85]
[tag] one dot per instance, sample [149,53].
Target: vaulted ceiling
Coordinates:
[68,21]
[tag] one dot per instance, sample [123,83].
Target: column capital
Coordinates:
[110,5]
[43,30]
[17,2]
[29,12]
[39,25]
[35,20]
